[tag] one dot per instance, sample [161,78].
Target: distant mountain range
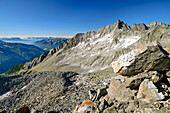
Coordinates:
[16,53]
[12,38]
[47,44]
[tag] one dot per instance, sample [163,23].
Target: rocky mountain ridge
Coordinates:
[96,50]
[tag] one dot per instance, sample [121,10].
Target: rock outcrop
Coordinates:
[141,59]
[149,92]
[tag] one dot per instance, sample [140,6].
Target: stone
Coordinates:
[168,74]
[146,58]
[164,86]
[92,94]
[85,106]
[111,109]
[134,82]
[148,92]
[155,76]
[123,93]
[120,78]
[113,87]
[101,92]
[106,98]
[131,107]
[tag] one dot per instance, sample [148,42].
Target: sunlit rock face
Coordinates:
[142,59]
[112,46]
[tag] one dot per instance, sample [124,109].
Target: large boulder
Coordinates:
[148,92]
[135,81]
[118,90]
[142,59]
[113,87]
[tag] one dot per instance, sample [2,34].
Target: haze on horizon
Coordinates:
[25,18]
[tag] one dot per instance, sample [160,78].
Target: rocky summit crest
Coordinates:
[96,50]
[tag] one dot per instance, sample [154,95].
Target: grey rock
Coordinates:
[148,92]
[150,58]
[113,87]
[101,92]
[120,77]
[168,74]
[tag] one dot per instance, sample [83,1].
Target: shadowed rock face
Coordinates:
[96,50]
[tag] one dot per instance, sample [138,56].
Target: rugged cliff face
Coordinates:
[96,50]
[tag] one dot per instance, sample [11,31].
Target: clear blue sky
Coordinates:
[68,17]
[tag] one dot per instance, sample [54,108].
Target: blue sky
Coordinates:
[68,17]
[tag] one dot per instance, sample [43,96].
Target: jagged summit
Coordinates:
[96,50]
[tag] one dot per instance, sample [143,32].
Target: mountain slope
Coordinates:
[48,44]
[16,53]
[96,50]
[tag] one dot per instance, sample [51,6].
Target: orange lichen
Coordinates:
[120,71]
[158,43]
[140,47]
[86,103]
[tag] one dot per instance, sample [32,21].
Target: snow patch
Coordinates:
[97,35]
[106,38]
[129,41]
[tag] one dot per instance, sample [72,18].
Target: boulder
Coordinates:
[120,78]
[123,93]
[168,74]
[113,87]
[168,79]
[135,81]
[141,59]
[148,92]
[101,92]
[85,106]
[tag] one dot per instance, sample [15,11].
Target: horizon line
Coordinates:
[42,36]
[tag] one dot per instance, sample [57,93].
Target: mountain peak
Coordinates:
[140,26]
[156,23]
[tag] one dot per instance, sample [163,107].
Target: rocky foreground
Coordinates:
[141,89]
